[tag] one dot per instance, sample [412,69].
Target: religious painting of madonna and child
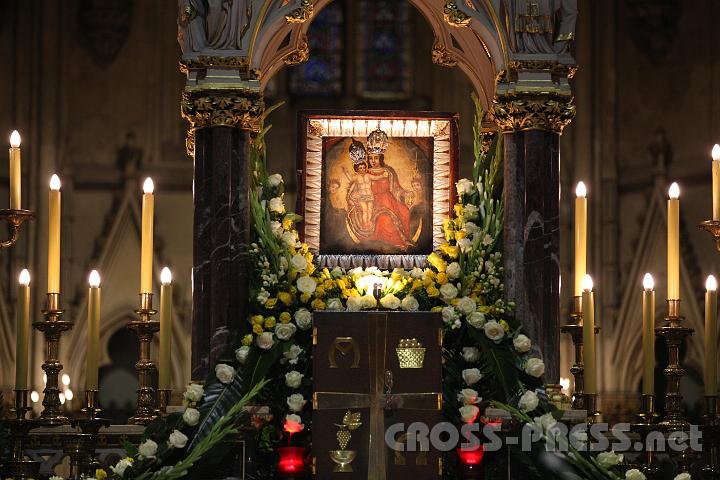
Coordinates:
[375,188]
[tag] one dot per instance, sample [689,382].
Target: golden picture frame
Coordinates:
[374,187]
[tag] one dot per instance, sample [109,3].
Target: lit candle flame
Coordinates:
[716,152]
[587,283]
[648,282]
[165,276]
[94,279]
[580,190]
[54,182]
[711,284]
[15,139]
[24,278]
[148,186]
[674,190]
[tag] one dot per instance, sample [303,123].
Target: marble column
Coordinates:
[220,136]
[531,124]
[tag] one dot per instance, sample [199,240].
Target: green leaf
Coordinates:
[219,398]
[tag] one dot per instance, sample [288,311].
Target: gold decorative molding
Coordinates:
[301,14]
[241,108]
[299,55]
[204,62]
[532,112]
[316,128]
[454,16]
[440,55]
[510,73]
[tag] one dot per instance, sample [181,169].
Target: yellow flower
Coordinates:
[449,234]
[285,317]
[285,298]
[342,284]
[459,210]
[432,291]
[505,325]
[319,291]
[442,278]
[304,297]
[452,251]
[270,322]
[270,303]
[318,304]
[257,329]
[437,262]
[437,309]
[256,319]
[247,339]
[328,284]
[287,223]
[417,284]
[100,474]
[460,234]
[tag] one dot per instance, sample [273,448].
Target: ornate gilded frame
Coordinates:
[313,125]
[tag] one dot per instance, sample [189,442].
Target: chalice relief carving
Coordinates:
[343,457]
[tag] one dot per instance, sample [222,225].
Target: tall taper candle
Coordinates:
[146,252]
[580,236]
[648,334]
[93,343]
[54,236]
[165,329]
[589,359]
[716,182]
[15,175]
[22,332]
[673,243]
[711,334]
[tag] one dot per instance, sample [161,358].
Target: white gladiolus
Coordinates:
[224,372]
[465,245]
[609,459]
[276,228]
[464,186]
[177,439]
[529,401]
[522,343]
[471,211]
[471,376]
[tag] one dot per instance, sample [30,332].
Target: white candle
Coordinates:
[580,236]
[93,349]
[165,329]
[22,332]
[589,359]
[711,334]
[716,182]
[54,236]
[673,243]
[146,248]
[648,334]
[15,171]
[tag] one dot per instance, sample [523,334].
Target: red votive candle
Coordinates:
[291,461]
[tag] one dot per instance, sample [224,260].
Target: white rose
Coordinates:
[298,262]
[529,401]
[368,301]
[609,459]
[294,423]
[471,376]
[468,413]
[471,211]
[336,272]
[494,331]
[476,319]
[276,205]
[535,367]
[241,354]
[284,331]
[121,466]
[194,392]
[417,272]
[275,179]
[276,228]
[468,396]
[464,186]
[471,228]
[453,270]
[470,354]
[224,372]
[634,474]
[147,449]
[545,422]
[354,304]
[265,340]
[292,354]
[289,238]
[296,402]
[293,379]
[410,303]
[449,315]
[466,305]
[191,416]
[306,284]
[522,343]
[177,439]
[335,304]
[448,291]
[303,318]
[683,476]
[390,301]
[465,244]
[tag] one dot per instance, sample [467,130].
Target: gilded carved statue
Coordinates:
[541,26]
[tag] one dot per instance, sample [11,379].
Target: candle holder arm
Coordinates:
[14,219]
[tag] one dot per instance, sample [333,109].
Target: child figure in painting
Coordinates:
[360,190]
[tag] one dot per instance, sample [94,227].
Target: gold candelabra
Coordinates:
[15,219]
[20,427]
[575,330]
[145,328]
[711,436]
[52,327]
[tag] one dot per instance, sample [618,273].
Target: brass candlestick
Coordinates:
[145,328]
[674,334]
[712,226]
[163,400]
[591,406]
[575,329]
[53,327]
[14,219]
[90,422]
[77,446]
[711,438]
[20,427]
[647,415]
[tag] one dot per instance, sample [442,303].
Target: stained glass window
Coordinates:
[383,57]
[322,73]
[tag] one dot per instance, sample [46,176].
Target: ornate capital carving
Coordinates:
[202,63]
[300,55]
[241,108]
[517,112]
[454,16]
[440,55]
[302,13]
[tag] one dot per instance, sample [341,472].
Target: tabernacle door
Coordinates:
[373,370]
